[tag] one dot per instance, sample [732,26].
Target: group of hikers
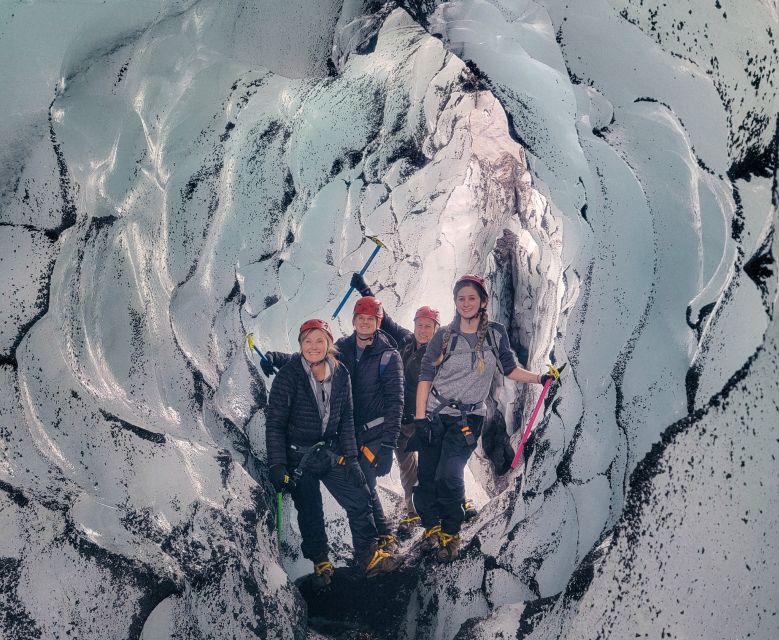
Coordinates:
[338,411]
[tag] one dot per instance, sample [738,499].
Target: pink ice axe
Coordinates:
[556,376]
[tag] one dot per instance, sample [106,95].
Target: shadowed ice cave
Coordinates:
[177,174]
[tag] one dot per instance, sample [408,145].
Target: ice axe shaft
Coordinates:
[379,245]
[253,347]
[536,409]
[279,520]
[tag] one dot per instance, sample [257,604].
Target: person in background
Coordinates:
[310,439]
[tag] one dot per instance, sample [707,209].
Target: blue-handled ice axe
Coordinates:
[254,347]
[379,245]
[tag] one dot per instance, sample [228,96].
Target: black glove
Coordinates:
[358,284]
[384,459]
[423,429]
[267,365]
[354,473]
[280,478]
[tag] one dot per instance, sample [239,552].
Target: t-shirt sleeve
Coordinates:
[432,353]
[508,359]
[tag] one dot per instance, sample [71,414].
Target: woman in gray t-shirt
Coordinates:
[455,380]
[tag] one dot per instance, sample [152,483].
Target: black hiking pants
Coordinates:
[382,526]
[356,502]
[440,490]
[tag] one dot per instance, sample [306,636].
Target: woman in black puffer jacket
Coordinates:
[310,438]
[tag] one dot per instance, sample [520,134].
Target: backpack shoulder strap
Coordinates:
[450,348]
[385,358]
[493,340]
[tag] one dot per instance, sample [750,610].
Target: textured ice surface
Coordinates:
[176,174]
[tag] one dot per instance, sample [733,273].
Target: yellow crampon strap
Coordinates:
[433,531]
[411,519]
[321,567]
[445,538]
[378,556]
[554,371]
[387,539]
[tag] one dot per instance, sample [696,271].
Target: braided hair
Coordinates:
[444,345]
[482,331]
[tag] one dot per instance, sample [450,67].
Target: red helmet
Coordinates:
[478,282]
[429,313]
[369,306]
[315,324]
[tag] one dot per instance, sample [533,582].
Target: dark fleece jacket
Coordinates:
[412,362]
[375,395]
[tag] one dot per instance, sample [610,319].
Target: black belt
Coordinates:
[307,452]
[462,407]
[329,443]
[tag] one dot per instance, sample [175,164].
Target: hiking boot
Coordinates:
[388,543]
[469,507]
[449,547]
[379,562]
[323,575]
[430,538]
[407,525]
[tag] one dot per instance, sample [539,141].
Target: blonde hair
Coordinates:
[332,350]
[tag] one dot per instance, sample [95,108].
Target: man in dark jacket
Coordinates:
[376,371]
[374,363]
[412,347]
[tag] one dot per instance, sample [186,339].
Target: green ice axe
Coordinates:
[379,245]
[279,521]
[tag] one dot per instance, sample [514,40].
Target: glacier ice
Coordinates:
[179,173]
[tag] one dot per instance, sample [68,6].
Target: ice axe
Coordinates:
[379,245]
[279,520]
[253,347]
[556,376]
